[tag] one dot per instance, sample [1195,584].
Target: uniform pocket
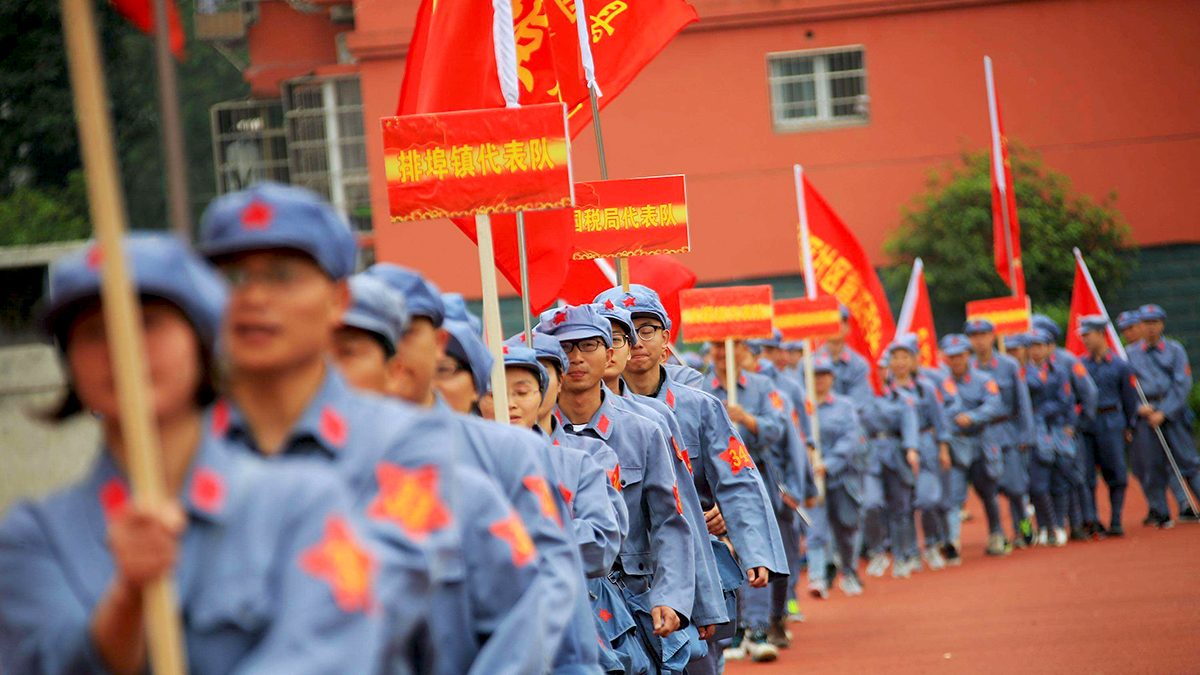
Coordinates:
[240,604]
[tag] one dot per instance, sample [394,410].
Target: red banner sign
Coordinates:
[632,217]
[737,312]
[1009,314]
[801,319]
[497,160]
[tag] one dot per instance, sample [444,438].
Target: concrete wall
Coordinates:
[36,458]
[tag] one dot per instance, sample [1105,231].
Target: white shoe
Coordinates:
[1060,536]
[736,651]
[878,565]
[850,585]
[934,559]
[818,590]
[902,569]
[1043,538]
[761,652]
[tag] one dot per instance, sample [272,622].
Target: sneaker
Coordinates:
[950,553]
[878,565]
[1019,542]
[934,559]
[1188,516]
[1079,534]
[996,545]
[1025,531]
[1115,530]
[850,584]
[1150,519]
[1095,530]
[902,569]
[794,613]
[759,649]
[964,515]
[1060,536]
[779,635]
[818,590]
[736,651]
[1163,522]
[1043,538]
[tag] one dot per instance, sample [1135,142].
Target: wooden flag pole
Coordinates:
[491,314]
[178,202]
[523,260]
[730,373]
[622,263]
[810,291]
[122,315]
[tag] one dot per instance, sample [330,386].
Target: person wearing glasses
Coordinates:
[655,568]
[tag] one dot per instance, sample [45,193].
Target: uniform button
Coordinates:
[622,483]
[641,566]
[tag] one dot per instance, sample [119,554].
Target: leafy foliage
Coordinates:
[949,226]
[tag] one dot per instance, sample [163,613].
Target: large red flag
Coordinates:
[140,13]
[1006,230]
[1085,300]
[452,66]
[666,275]
[841,269]
[916,316]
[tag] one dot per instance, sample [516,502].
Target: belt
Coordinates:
[1106,409]
[929,430]
[1000,420]
[883,435]
[1154,399]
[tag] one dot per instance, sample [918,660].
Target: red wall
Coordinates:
[1104,89]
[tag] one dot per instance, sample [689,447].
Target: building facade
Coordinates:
[868,95]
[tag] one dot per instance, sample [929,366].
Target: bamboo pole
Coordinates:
[491,315]
[122,315]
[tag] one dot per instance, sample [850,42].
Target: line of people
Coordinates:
[343,503]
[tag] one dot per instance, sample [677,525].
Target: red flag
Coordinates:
[916,316]
[841,269]
[663,273]
[140,13]
[1006,230]
[1086,300]
[452,66]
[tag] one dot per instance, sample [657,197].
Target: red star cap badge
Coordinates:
[333,426]
[114,498]
[629,301]
[257,215]
[410,499]
[340,561]
[540,489]
[559,318]
[512,531]
[608,304]
[208,490]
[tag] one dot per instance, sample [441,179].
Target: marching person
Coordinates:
[287,255]
[842,462]
[976,458]
[655,567]
[274,576]
[1013,431]
[1053,472]
[1162,369]
[933,449]
[1104,436]
[852,372]
[892,427]
[1129,324]
[726,481]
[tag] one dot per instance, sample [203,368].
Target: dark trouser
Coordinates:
[1104,446]
[1014,485]
[1050,485]
[977,476]
[1150,457]
[897,496]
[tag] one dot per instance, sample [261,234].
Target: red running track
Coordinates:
[1126,606]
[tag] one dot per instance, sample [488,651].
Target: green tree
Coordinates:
[949,226]
[39,155]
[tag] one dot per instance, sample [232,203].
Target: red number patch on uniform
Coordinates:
[340,561]
[114,498]
[670,399]
[776,400]
[737,456]
[512,531]
[678,502]
[538,486]
[566,494]
[950,386]
[1080,370]
[410,499]
[208,490]
[1133,381]
[683,456]
[808,408]
[992,387]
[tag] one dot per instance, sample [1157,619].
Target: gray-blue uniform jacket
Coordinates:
[1082,385]
[272,575]
[658,546]
[1166,378]
[892,427]
[1015,425]
[792,388]
[1053,409]
[708,608]
[722,476]
[483,566]
[1116,397]
[684,374]
[931,416]
[758,397]
[851,375]
[844,452]
[977,395]
[606,459]
[514,459]
[585,488]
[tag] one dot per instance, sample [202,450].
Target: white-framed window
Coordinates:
[326,143]
[818,88]
[249,144]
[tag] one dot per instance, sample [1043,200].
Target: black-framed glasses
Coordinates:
[447,369]
[586,345]
[648,331]
[620,340]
